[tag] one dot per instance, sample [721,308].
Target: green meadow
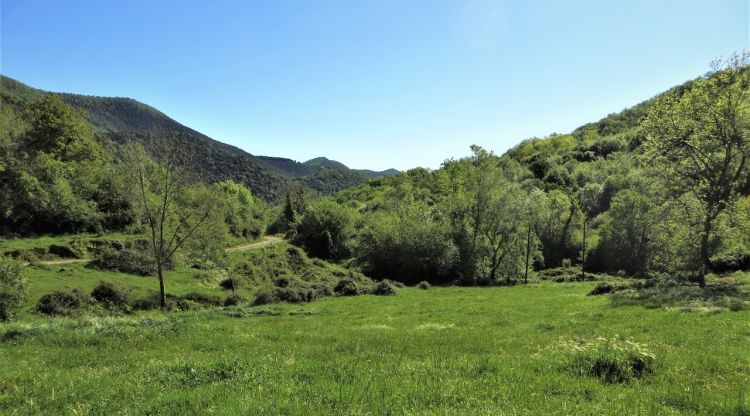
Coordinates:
[445,350]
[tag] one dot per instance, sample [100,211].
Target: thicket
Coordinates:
[625,196]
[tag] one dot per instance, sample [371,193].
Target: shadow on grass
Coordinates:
[717,296]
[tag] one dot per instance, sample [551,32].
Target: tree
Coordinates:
[57,129]
[325,230]
[171,208]
[557,212]
[702,141]
[588,197]
[626,236]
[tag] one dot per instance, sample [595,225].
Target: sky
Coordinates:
[374,84]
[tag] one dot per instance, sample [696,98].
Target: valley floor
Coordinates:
[483,351]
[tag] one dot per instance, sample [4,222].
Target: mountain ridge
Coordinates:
[123,119]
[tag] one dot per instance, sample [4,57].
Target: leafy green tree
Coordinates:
[410,244]
[702,141]
[626,238]
[58,129]
[588,198]
[242,214]
[557,215]
[325,230]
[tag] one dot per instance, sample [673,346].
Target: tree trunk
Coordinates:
[583,252]
[704,257]
[528,250]
[162,293]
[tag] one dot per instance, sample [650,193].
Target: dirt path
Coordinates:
[267,241]
[63,261]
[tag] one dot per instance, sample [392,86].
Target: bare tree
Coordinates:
[172,206]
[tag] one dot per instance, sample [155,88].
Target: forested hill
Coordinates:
[292,168]
[125,119]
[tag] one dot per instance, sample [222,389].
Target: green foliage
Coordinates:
[407,245]
[325,230]
[12,287]
[57,129]
[383,288]
[61,303]
[129,260]
[110,294]
[626,241]
[701,142]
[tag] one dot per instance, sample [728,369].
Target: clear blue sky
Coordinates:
[373,84]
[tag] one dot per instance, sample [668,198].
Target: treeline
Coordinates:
[58,176]
[658,189]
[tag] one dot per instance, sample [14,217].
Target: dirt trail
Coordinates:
[267,241]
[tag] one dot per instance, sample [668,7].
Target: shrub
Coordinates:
[383,289]
[320,290]
[566,263]
[230,283]
[265,296]
[282,281]
[291,294]
[60,303]
[63,251]
[12,287]
[109,294]
[612,361]
[126,261]
[234,300]
[423,285]
[346,287]
[602,288]
[731,262]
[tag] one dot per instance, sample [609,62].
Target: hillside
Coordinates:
[125,119]
[292,168]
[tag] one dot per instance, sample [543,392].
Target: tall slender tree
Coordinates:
[172,209]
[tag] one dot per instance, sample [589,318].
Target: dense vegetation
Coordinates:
[659,190]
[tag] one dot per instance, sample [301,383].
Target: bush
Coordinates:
[12,287]
[346,287]
[230,283]
[234,300]
[383,289]
[126,261]
[423,285]
[265,296]
[64,252]
[109,294]
[612,361]
[60,303]
[730,262]
[603,288]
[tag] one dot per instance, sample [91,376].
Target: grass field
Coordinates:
[501,350]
